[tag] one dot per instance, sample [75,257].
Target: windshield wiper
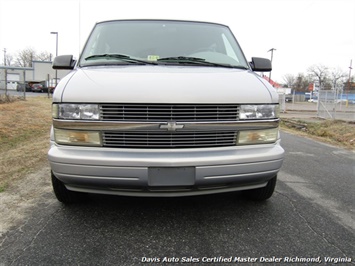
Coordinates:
[196,61]
[121,57]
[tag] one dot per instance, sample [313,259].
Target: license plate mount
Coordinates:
[171,176]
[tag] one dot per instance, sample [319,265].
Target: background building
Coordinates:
[40,72]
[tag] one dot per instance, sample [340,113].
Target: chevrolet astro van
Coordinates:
[163,108]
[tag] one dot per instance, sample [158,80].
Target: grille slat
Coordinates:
[174,112]
[164,113]
[168,140]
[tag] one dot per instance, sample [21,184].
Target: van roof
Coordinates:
[161,20]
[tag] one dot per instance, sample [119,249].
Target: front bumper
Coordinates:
[183,172]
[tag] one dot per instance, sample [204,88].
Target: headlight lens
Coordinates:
[76,111]
[258,136]
[266,111]
[74,137]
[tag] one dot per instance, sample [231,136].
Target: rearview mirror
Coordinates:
[63,62]
[260,64]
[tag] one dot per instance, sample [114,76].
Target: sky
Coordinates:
[303,32]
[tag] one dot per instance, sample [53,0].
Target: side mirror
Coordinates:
[260,64]
[63,62]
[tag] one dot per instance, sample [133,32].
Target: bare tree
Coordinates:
[44,56]
[25,57]
[349,84]
[319,72]
[302,82]
[337,77]
[289,80]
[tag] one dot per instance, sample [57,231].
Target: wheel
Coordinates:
[63,194]
[263,193]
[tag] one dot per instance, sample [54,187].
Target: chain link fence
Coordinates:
[332,105]
[326,104]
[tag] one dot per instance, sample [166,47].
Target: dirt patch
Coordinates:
[16,201]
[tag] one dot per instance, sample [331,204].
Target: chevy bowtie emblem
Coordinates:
[171,126]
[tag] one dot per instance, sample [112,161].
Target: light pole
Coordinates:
[272,54]
[56,54]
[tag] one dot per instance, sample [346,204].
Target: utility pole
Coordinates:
[272,55]
[56,54]
[4,56]
[5,71]
[24,84]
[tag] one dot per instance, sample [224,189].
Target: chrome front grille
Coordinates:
[169,112]
[151,139]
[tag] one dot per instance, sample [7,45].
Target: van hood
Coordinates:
[164,84]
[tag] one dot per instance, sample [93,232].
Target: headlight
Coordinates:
[258,136]
[76,111]
[266,111]
[75,137]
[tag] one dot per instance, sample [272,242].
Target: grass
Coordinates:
[5,98]
[334,132]
[24,137]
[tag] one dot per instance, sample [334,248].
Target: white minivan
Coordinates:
[163,108]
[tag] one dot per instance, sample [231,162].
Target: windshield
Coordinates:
[162,42]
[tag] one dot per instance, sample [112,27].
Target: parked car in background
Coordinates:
[288,98]
[22,87]
[313,100]
[51,89]
[307,96]
[37,88]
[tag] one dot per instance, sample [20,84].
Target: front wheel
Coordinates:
[63,194]
[263,193]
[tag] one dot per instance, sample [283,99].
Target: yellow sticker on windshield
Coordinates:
[153,57]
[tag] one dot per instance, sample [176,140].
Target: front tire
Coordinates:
[63,194]
[264,193]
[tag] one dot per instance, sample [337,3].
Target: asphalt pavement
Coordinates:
[308,221]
